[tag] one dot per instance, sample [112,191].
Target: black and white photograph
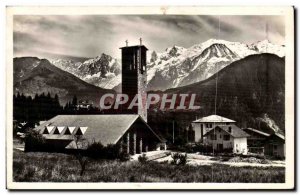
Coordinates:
[150,98]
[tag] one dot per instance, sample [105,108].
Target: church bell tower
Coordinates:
[134,77]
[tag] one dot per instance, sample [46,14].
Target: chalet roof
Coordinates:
[236,132]
[107,129]
[214,118]
[279,135]
[258,131]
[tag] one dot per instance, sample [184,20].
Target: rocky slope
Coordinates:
[102,71]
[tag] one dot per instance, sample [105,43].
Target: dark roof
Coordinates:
[107,129]
[134,46]
[279,135]
[236,132]
[257,131]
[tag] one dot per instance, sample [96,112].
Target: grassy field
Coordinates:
[46,167]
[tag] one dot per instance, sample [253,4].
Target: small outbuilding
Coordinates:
[256,141]
[275,145]
[129,132]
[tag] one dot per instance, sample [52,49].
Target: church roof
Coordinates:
[214,118]
[134,46]
[107,129]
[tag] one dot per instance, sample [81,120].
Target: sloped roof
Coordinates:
[106,129]
[236,132]
[279,135]
[258,131]
[134,46]
[214,119]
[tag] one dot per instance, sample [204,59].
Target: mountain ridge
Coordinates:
[42,76]
[176,66]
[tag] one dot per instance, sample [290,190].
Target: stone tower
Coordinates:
[134,78]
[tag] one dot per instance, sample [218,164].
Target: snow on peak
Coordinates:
[266,46]
[176,66]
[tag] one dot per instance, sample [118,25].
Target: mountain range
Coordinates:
[35,76]
[250,79]
[176,66]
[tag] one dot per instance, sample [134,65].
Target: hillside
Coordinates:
[33,75]
[250,91]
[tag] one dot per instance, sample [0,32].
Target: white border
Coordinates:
[210,10]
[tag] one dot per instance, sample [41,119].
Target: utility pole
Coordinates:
[173,132]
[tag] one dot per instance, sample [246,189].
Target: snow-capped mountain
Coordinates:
[102,71]
[266,46]
[179,66]
[176,66]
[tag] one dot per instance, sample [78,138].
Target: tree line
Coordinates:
[34,109]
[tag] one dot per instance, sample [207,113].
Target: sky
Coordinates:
[92,35]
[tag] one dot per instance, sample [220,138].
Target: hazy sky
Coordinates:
[91,35]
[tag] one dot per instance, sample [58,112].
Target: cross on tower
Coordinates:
[126,43]
[140,41]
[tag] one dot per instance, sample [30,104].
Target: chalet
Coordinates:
[275,145]
[205,124]
[264,143]
[227,137]
[84,105]
[129,132]
[256,140]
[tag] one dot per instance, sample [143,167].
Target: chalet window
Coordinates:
[229,129]
[226,137]
[213,137]
[207,126]
[210,125]
[220,136]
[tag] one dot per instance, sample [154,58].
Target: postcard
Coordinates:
[157,98]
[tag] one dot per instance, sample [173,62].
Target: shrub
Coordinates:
[34,141]
[111,151]
[95,150]
[142,158]
[123,156]
[179,159]
[228,150]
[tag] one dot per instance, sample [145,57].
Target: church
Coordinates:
[128,130]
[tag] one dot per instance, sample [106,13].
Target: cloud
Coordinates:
[91,35]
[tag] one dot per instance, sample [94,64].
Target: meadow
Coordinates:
[55,167]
